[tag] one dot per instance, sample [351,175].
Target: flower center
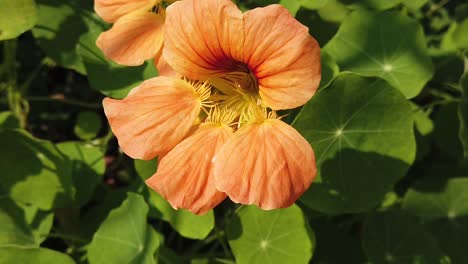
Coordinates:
[232,98]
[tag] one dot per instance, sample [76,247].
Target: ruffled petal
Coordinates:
[203,38]
[111,10]
[154,117]
[185,175]
[282,55]
[133,39]
[268,164]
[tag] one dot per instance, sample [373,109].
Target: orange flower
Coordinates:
[237,69]
[137,33]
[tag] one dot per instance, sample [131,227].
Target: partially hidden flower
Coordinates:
[137,31]
[215,129]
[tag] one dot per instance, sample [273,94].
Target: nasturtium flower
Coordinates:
[215,129]
[137,31]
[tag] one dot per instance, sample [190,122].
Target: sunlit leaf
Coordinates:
[460,36]
[16,17]
[33,255]
[361,130]
[34,171]
[278,236]
[184,222]
[124,236]
[370,44]
[393,237]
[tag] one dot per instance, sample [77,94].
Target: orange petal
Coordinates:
[133,39]
[185,175]
[154,117]
[268,164]
[282,55]
[111,10]
[164,69]
[203,38]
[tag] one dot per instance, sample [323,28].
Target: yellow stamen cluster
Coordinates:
[232,99]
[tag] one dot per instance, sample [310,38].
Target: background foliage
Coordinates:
[388,127]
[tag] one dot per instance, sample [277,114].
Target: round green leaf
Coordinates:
[184,222]
[444,207]
[361,130]
[34,172]
[393,237]
[33,255]
[87,125]
[124,236]
[104,75]
[314,4]
[88,167]
[58,30]
[278,236]
[16,17]
[371,44]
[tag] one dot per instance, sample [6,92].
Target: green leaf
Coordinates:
[184,222]
[292,5]
[433,200]
[34,172]
[329,69]
[88,167]
[361,130]
[460,36]
[277,236]
[33,255]
[124,236]
[463,115]
[446,129]
[333,238]
[8,121]
[424,126]
[393,237]
[104,75]
[313,4]
[22,225]
[58,30]
[370,44]
[414,4]
[334,11]
[372,4]
[17,17]
[87,125]
[443,206]
[14,230]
